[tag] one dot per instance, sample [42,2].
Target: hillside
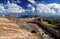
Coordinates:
[21,28]
[10,30]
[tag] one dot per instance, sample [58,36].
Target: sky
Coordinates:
[31,6]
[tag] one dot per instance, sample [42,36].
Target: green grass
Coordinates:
[47,24]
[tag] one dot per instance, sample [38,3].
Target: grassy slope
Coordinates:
[47,24]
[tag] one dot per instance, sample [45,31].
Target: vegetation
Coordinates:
[47,24]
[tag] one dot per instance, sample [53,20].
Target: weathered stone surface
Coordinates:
[9,30]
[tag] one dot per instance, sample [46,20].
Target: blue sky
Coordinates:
[32,6]
[24,3]
[46,1]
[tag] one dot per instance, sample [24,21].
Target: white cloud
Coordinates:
[14,8]
[54,5]
[31,7]
[17,1]
[46,8]
[2,8]
[40,7]
[43,8]
[32,1]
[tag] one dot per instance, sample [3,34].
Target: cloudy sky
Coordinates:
[32,6]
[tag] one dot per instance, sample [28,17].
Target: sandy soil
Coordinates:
[10,30]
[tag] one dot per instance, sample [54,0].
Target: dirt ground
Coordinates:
[10,30]
[21,29]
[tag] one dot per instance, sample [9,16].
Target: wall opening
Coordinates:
[33,31]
